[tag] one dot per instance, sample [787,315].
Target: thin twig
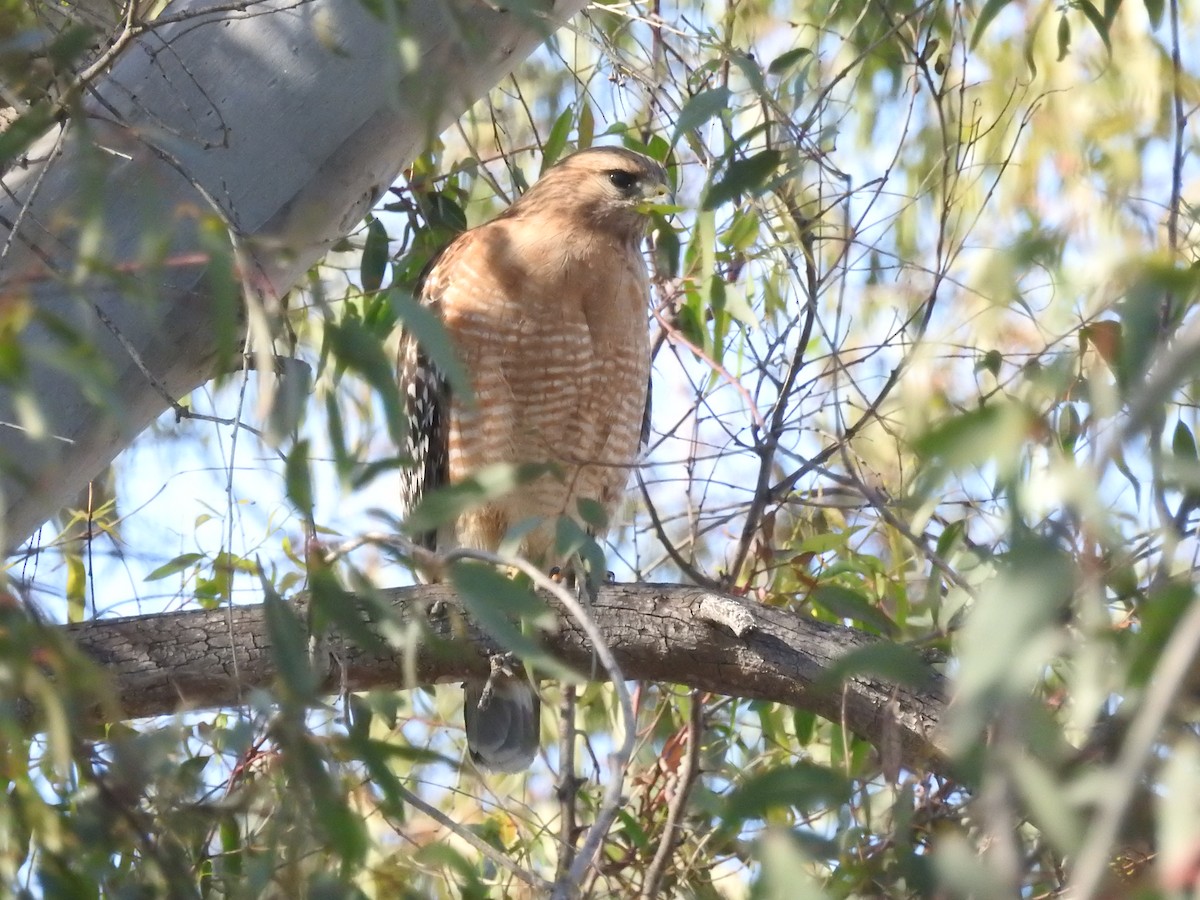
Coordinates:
[690,571]
[769,443]
[568,783]
[500,859]
[683,787]
[15,227]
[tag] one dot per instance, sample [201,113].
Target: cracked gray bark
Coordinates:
[166,663]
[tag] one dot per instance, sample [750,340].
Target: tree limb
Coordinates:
[657,632]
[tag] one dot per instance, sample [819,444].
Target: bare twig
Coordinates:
[568,783]
[683,786]
[503,860]
[768,444]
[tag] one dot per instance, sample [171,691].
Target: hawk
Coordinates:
[546,305]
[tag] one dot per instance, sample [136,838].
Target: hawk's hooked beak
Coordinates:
[657,198]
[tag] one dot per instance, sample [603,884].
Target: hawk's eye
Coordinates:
[622,181]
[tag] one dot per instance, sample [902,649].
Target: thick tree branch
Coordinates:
[165,663]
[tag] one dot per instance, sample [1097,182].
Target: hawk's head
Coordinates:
[604,188]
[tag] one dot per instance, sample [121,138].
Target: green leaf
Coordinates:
[805,724]
[344,830]
[742,231]
[489,483]
[1063,37]
[1010,635]
[420,322]
[825,541]
[631,830]
[191,769]
[289,647]
[742,176]
[893,663]
[751,70]
[1069,428]
[495,601]
[699,109]
[1098,20]
[803,786]
[975,436]
[443,213]
[360,351]
[990,10]
[950,537]
[21,133]
[442,856]
[332,604]
[666,245]
[593,513]
[586,130]
[1183,444]
[552,147]
[374,256]
[788,866]
[785,61]
[178,564]
[1154,9]
[293,387]
[76,592]
[298,480]
[847,604]
[1159,618]
[231,846]
[571,540]
[71,44]
[336,431]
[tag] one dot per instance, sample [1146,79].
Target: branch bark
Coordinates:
[658,632]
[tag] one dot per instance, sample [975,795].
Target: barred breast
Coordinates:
[559,373]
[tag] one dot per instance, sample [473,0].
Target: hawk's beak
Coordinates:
[656,193]
[657,198]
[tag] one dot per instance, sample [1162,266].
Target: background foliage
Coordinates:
[924,363]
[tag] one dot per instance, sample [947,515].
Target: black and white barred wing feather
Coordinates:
[426,393]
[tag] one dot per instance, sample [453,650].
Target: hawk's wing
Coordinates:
[644,440]
[427,407]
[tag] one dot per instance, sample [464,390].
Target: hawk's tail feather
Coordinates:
[503,736]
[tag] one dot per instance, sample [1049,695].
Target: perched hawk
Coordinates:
[546,305]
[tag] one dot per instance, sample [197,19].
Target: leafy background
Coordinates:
[924,350]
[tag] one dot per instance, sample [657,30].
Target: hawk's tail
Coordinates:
[504,735]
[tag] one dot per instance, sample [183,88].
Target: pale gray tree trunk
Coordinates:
[290,117]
